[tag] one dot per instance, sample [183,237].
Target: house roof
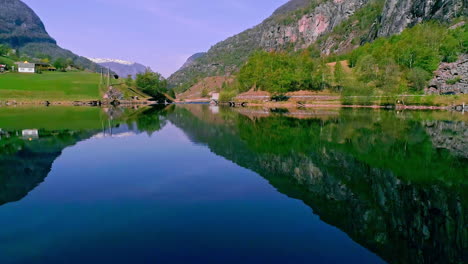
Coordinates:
[26,65]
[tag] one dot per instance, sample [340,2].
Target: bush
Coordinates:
[279,98]
[151,83]
[453,81]
[204,93]
[279,72]
[227,95]
[418,78]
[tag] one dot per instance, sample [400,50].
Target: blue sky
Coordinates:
[159,33]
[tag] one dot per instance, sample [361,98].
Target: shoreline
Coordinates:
[91,103]
[286,105]
[338,106]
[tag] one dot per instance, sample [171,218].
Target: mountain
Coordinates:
[121,67]
[191,60]
[24,31]
[19,25]
[325,26]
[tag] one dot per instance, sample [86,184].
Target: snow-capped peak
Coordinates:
[100,60]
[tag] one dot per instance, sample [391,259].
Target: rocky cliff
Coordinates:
[400,14]
[333,26]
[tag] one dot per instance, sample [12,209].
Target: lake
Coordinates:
[206,184]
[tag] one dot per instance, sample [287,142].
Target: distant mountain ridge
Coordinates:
[120,67]
[332,26]
[23,30]
[103,60]
[191,60]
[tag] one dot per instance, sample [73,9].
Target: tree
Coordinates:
[277,72]
[68,62]
[129,81]
[4,50]
[204,93]
[339,74]
[151,83]
[172,93]
[60,63]
[418,78]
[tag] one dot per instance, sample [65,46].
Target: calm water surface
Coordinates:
[201,184]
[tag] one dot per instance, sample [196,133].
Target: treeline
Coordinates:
[150,83]
[279,72]
[401,63]
[408,59]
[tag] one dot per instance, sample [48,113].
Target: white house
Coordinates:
[30,134]
[26,67]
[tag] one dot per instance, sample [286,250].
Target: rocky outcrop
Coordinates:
[451,78]
[400,14]
[304,32]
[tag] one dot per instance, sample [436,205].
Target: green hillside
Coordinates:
[324,28]
[403,63]
[52,86]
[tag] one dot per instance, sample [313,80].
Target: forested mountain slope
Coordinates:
[329,26]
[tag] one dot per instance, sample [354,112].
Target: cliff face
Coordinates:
[309,27]
[19,25]
[400,14]
[301,23]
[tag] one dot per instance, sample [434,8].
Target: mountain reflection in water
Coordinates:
[394,182]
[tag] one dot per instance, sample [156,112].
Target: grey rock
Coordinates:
[400,14]
[450,72]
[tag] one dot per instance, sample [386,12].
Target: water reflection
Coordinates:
[27,155]
[394,182]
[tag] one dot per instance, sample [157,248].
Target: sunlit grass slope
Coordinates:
[52,86]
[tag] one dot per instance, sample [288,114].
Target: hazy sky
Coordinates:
[159,33]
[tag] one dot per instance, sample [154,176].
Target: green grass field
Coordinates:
[51,118]
[51,86]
